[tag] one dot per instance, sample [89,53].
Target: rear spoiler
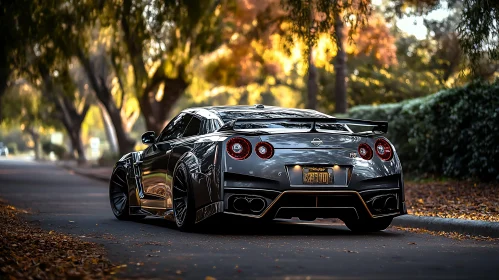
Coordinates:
[378,127]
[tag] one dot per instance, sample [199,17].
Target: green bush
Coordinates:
[454,132]
[59,150]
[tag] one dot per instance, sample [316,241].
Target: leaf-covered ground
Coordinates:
[453,199]
[27,252]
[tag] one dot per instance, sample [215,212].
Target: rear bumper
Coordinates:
[310,204]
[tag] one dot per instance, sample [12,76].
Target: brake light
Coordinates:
[264,150]
[383,149]
[239,148]
[365,151]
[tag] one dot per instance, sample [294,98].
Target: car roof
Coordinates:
[256,111]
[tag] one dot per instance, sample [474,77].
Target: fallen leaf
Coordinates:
[349,251]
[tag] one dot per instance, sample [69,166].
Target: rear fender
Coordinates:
[204,178]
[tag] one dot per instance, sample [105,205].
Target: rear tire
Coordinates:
[118,196]
[369,225]
[183,199]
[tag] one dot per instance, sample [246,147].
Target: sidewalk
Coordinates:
[470,227]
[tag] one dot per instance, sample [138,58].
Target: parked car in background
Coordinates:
[4,151]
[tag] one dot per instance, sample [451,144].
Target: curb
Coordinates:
[102,178]
[470,227]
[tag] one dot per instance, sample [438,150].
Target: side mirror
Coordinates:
[149,137]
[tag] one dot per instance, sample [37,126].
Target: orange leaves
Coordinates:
[375,40]
[454,199]
[29,252]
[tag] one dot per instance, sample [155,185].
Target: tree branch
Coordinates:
[118,72]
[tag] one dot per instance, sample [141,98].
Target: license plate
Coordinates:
[317,176]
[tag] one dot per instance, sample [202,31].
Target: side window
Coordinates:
[193,127]
[212,125]
[209,126]
[175,128]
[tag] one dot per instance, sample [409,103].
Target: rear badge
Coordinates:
[353,155]
[316,142]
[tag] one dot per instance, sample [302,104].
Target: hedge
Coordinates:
[454,132]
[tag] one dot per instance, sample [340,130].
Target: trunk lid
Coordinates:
[309,140]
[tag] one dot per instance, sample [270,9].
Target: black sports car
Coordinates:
[262,162]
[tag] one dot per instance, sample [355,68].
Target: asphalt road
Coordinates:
[153,248]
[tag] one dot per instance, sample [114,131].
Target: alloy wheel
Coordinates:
[118,192]
[180,197]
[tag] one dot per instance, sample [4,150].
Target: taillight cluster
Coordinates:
[264,150]
[365,151]
[382,147]
[240,148]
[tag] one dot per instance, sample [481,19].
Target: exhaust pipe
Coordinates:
[378,203]
[257,204]
[391,203]
[384,203]
[243,203]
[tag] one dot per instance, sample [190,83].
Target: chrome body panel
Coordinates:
[216,177]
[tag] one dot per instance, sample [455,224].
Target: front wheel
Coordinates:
[369,225]
[183,199]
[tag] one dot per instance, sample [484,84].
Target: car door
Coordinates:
[157,193]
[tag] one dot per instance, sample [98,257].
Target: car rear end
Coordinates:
[310,169]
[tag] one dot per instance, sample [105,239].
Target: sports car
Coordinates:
[262,162]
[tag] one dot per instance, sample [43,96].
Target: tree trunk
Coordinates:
[125,144]
[340,67]
[77,144]
[104,95]
[108,127]
[155,112]
[72,120]
[36,140]
[67,112]
[35,136]
[312,87]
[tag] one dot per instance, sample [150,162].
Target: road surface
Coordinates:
[153,248]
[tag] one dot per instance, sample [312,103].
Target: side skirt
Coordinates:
[209,210]
[148,211]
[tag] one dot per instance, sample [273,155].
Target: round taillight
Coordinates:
[383,149]
[264,150]
[239,148]
[365,151]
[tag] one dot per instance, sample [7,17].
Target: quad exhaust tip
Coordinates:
[384,203]
[244,203]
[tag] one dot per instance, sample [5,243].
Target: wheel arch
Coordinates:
[134,183]
[201,181]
